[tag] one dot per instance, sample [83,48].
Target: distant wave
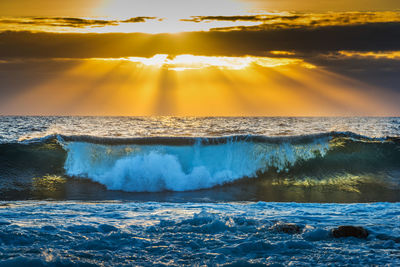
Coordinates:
[156,164]
[173,140]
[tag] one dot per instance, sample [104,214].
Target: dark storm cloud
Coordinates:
[69,22]
[365,37]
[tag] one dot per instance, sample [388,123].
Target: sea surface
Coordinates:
[122,191]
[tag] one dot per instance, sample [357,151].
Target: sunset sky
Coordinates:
[200,57]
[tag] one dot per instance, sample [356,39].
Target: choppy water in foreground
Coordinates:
[101,191]
[147,234]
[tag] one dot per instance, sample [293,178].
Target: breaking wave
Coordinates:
[157,164]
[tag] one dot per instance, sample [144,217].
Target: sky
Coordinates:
[200,57]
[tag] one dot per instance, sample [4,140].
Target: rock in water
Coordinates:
[348,230]
[288,228]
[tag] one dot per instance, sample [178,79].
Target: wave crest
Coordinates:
[184,163]
[150,168]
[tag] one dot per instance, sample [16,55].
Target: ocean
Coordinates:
[215,191]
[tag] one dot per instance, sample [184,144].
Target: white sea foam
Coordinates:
[152,168]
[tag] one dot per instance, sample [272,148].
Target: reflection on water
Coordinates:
[48,186]
[345,189]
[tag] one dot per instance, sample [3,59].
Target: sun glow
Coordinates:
[171,8]
[183,85]
[107,25]
[191,16]
[190,62]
